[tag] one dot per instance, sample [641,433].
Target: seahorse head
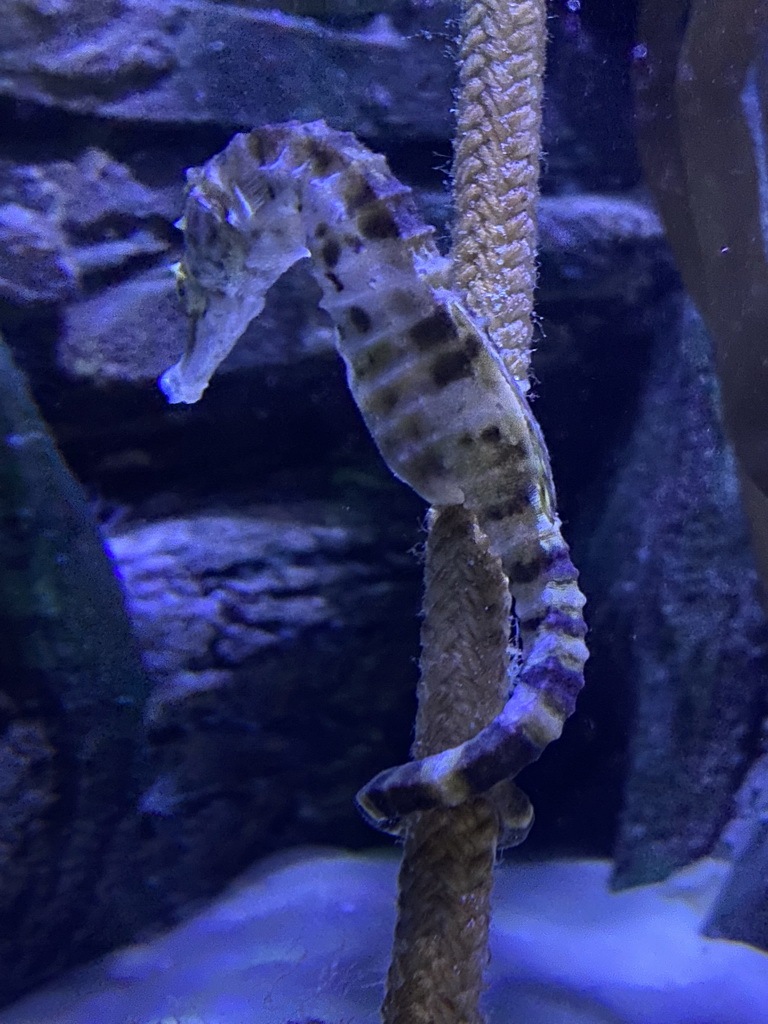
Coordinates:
[242,230]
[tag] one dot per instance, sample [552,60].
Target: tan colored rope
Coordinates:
[496,170]
[446,875]
[441,937]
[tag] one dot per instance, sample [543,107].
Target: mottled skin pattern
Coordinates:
[445,414]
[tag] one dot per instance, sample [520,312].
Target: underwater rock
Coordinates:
[65,221]
[384,70]
[73,691]
[34,263]
[595,247]
[200,61]
[91,196]
[676,612]
[212,590]
[336,10]
[281,641]
[127,331]
[305,937]
[740,912]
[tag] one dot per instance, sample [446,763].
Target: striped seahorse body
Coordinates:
[444,413]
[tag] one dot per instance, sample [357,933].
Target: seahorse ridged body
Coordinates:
[445,414]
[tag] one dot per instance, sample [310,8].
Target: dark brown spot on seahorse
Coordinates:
[426,465]
[331,251]
[321,230]
[322,156]
[335,282]
[472,346]
[466,440]
[436,329]
[382,401]
[451,366]
[376,223]
[359,319]
[358,194]
[491,435]
[502,454]
[526,572]
[412,427]
[373,360]
[253,145]
[517,502]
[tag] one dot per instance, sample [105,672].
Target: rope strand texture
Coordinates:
[440,948]
[496,169]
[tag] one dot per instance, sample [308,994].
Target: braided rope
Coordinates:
[446,875]
[440,951]
[497,167]
[441,936]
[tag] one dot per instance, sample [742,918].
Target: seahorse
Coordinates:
[445,414]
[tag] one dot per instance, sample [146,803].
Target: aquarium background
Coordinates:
[265,665]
